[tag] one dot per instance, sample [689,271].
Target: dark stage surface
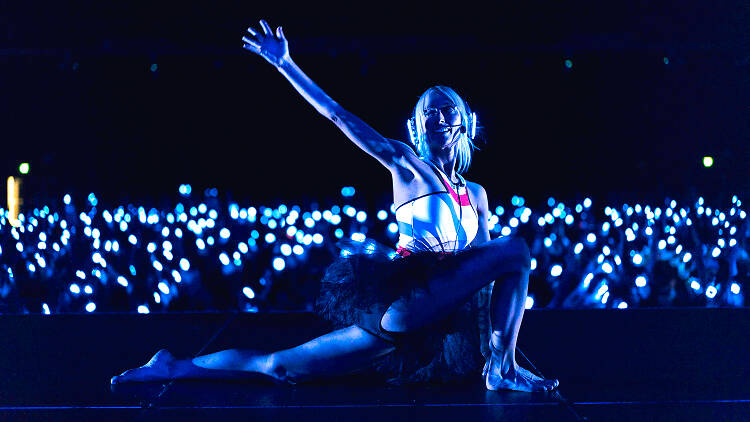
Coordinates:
[686,365]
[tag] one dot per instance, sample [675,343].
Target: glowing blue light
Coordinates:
[224,258]
[309,222]
[607,267]
[202,208]
[87,289]
[286,250]
[549,218]
[298,249]
[716,252]
[347,191]
[19,246]
[606,250]
[513,222]
[711,292]
[224,233]
[358,237]
[143,309]
[382,215]
[340,233]
[556,212]
[505,231]
[163,287]
[600,258]
[151,247]
[157,265]
[200,244]
[90,307]
[735,288]
[248,292]
[307,239]
[640,281]
[55,246]
[541,221]
[317,238]
[361,216]
[75,289]
[66,199]
[87,231]
[587,280]
[671,239]
[569,219]
[80,274]
[533,264]
[556,270]
[602,289]
[591,238]
[122,281]
[622,305]
[732,242]
[649,231]
[637,259]
[279,263]
[687,257]
[184,264]
[578,248]
[41,245]
[529,302]
[547,242]
[270,237]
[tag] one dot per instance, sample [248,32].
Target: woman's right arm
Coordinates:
[274,48]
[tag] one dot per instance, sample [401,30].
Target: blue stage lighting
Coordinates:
[607,267]
[224,258]
[711,292]
[735,288]
[637,259]
[90,307]
[298,250]
[513,222]
[210,240]
[224,233]
[591,238]
[75,289]
[200,244]
[270,238]
[506,231]
[640,281]
[716,252]
[556,270]
[122,281]
[184,264]
[143,309]
[248,292]
[286,250]
[340,233]
[587,280]
[529,302]
[279,264]
[317,238]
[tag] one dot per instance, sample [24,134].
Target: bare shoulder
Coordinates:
[479,194]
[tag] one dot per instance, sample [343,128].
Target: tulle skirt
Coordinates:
[358,288]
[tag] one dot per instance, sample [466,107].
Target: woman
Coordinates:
[406,317]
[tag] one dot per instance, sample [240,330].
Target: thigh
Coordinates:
[455,279]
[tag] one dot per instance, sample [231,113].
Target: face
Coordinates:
[442,120]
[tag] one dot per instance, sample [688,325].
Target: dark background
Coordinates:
[79,101]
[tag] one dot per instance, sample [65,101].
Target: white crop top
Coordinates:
[443,221]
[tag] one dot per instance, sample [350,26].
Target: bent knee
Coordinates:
[515,252]
[523,254]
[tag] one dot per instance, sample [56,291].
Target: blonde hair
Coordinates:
[465,143]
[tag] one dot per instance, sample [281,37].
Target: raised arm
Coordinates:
[275,49]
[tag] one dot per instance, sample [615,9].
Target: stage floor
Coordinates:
[58,368]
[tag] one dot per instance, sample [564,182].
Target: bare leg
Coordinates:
[455,280]
[339,352]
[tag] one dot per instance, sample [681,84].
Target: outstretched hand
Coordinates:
[273,48]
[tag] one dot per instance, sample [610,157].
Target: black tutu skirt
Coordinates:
[359,286]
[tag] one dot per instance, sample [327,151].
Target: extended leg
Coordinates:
[336,353]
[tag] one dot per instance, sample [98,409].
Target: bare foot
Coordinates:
[520,369]
[160,367]
[517,378]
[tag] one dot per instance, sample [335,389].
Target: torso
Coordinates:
[415,178]
[452,222]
